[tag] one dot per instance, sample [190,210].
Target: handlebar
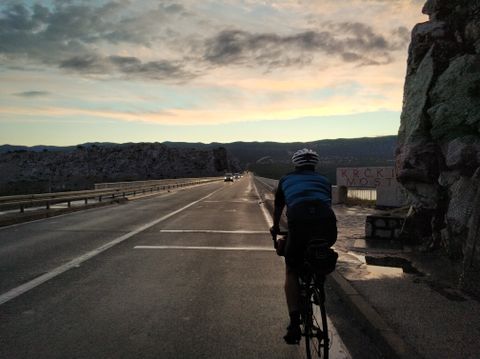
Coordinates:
[274,237]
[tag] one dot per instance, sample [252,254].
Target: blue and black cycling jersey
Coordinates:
[303,186]
[308,197]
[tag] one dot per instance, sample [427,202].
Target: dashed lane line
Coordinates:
[211,231]
[252,249]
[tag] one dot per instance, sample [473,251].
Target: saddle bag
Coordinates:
[321,258]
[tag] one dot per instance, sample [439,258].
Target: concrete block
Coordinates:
[383,233]
[368,229]
[379,222]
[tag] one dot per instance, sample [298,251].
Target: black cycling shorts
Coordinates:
[305,222]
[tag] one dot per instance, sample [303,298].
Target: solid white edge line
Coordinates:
[253,249]
[266,215]
[15,292]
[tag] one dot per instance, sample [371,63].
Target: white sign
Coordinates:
[368,177]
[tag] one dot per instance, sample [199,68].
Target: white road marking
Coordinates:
[252,249]
[15,292]
[266,215]
[211,231]
[243,201]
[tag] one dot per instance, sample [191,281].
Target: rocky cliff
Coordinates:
[438,154]
[30,172]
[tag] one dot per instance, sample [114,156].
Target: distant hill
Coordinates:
[272,159]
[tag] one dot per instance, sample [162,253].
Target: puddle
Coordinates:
[394,262]
[449,293]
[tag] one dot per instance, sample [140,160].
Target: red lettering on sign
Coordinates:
[355,173]
[364,181]
[350,182]
[344,173]
[377,182]
[367,172]
[380,172]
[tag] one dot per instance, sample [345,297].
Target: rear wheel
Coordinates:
[315,327]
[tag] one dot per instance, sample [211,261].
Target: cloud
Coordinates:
[118,38]
[85,63]
[128,66]
[351,42]
[32,94]
[72,37]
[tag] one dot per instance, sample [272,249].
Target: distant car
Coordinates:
[237,176]
[228,177]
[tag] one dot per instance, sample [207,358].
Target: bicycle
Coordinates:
[319,260]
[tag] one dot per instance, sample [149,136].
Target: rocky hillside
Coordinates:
[33,172]
[438,155]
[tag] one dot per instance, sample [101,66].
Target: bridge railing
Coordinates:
[107,192]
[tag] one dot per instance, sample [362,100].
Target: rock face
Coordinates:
[438,154]
[34,172]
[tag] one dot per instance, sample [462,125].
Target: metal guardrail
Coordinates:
[135,184]
[22,202]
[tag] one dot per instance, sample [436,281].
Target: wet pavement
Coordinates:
[409,299]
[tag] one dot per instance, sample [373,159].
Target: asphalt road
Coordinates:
[187,274]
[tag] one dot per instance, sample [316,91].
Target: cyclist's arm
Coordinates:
[278,207]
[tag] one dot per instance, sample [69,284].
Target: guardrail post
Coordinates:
[123,194]
[22,208]
[69,204]
[86,200]
[99,198]
[48,205]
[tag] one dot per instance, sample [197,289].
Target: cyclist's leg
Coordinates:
[294,333]
[292,295]
[293,261]
[292,290]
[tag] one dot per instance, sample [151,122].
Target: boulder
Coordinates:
[438,154]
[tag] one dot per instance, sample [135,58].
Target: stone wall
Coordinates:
[438,154]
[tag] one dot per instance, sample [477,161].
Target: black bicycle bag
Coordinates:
[320,257]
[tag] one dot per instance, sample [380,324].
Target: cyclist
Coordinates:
[308,197]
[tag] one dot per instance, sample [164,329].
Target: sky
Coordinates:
[76,71]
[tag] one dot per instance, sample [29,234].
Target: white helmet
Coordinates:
[305,157]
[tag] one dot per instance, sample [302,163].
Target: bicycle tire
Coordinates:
[325,339]
[308,324]
[315,324]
